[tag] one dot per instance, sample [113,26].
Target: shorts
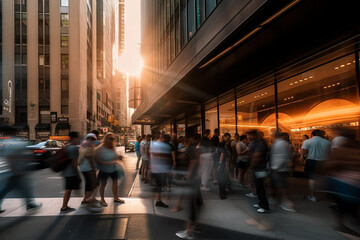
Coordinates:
[103,176]
[243,165]
[90,180]
[279,179]
[72,183]
[311,167]
[159,179]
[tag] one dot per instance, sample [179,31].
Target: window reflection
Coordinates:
[211,119]
[257,111]
[322,98]
[227,118]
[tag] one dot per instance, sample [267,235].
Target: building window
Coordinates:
[227,118]
[64,3]
[191,18]
[200,13]
[256,111]
[210,6]
[64,41]
[183,7]
[211,119]
[64,61]
[64,17]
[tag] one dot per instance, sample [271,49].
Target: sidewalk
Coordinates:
[311,221]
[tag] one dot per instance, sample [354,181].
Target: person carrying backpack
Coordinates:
[71,171]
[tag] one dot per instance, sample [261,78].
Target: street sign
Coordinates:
[105,130]
[63,119]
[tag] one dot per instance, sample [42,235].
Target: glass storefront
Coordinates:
[320,96]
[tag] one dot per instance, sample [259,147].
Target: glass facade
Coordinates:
[44,60]
[89,62]
[64,45]
[20,69]
[316,96]
[177,21]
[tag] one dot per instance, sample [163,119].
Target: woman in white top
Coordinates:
[107,158]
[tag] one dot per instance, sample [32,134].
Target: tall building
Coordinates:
[238,65]
[58,65]
[121,107]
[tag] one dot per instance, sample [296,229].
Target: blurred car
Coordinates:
[130,146]
[43,151]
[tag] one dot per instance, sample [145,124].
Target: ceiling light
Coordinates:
[311,76]
[291,84]
[325,87]
[342,65]
[348,63]
[336,68]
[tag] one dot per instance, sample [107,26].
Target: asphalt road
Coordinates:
[48,184]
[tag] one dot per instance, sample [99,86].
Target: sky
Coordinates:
[130,61]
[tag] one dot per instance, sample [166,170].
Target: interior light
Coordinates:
[324,87]
[338,83]
[336,68]
[296,82]
[342,65]
[300,80]
[329,86]
[311,76]
[305,79]
[348,63]
[291,84]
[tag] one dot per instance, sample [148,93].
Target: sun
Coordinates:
[130,63]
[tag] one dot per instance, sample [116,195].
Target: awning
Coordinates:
[42,126]
[61,126]
[19,126]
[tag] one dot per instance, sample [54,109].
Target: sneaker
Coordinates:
[263,210]
[311,198]
[256,206]
[184,235]
[205,189]
[287,208]
[251,195]
[161,204]
[67,210]
[33,206]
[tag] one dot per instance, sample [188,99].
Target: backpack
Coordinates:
[60,160]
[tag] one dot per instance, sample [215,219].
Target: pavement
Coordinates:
[139,219]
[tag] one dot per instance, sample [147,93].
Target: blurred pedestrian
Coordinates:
[137,151]
[317,149]
[225,152]
[243,159]
[107,158]
[18,158]
[160,166]
[71,172]
[214,144]
[258,162]
[280,155]
[206,160]
[145,154]
[343,171]
[87,167]
[168,177]
[97,134]
[195,200]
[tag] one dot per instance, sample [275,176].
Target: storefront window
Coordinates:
[191,18]
[257,111]
[193,125]
[211,119]
[324,98]
[180,128]
[227,118]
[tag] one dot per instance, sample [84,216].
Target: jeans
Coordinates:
[138,159]
[260,190]
[206,165]
[22,184]
[223,181]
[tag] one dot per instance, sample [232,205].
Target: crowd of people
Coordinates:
[261,166]
[194,162]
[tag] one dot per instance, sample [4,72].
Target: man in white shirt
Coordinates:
[145,154]
[316,149]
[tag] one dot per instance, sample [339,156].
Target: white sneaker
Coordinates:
[263,210]
[286,208]
[184,235]
[205,189]
[256,206]
[311,198]
[251,195]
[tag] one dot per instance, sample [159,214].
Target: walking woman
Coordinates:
[107,158]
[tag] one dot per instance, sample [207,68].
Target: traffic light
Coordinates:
[116,123]
[111,118]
